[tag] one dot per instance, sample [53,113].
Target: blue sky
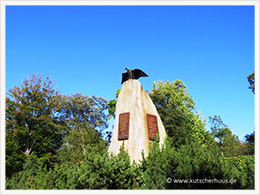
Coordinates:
[86,48]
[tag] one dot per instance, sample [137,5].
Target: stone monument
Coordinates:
[136,123]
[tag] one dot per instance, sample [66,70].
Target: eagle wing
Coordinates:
[125,77]
[139,73]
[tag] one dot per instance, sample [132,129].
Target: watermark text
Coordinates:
[201,181]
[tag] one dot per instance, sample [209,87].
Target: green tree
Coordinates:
[177,110]
[250,140]
[34,123]
[85,110]
[112,106]
[87,120]
[251,80]
[79,141]
[229,144]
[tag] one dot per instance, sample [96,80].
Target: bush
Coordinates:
[242,169]
[155,168]
[99,170]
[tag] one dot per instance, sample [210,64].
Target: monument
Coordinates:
[137,121]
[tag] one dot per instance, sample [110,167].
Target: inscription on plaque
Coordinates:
[123,126]
[152,126]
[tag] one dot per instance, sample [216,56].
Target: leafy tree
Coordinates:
[82,109]
[178,113]
[33,122]
[250,140]
[251,80]
[228,143]
[87,120]
[79,141]
[112,106]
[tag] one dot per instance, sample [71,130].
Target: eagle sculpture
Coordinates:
[132,74]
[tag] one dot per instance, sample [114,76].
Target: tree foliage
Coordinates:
[85,110]
[99,170]
[250,140]
[56,141]
[39,120]
[177,110]
[251,80]
[33,122]
[112,106]
[228,143]
[79,141]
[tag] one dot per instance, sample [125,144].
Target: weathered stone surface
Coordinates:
[133,99]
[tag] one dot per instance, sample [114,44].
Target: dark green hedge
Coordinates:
[101,171]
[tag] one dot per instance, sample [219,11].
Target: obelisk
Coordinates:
[136,123]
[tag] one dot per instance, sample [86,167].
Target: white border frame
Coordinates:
[122,2]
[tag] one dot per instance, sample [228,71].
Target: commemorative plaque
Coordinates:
[123,126]
[152,126]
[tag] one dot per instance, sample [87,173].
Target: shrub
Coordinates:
[99,170]
[242,169]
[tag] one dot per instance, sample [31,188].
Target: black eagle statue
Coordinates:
[132,74]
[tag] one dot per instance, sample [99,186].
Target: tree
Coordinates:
[251,80]
[85,110]
[34,123]
[250,140]
[87,120]
[79,141]
[228,143]
[177,110]
[112,106]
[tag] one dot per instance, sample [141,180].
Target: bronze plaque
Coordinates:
[123,126]
[152,126]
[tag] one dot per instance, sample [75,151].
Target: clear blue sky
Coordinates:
[86,48]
